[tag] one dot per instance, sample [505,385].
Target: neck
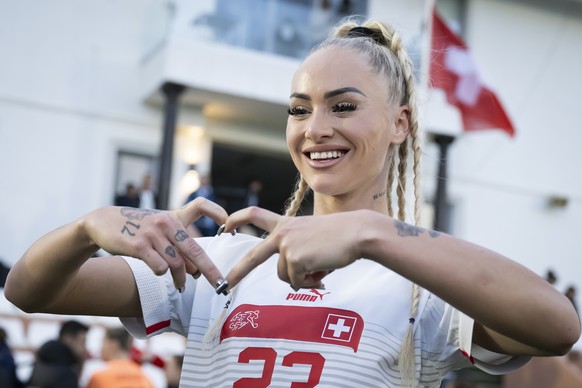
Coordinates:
[326,204]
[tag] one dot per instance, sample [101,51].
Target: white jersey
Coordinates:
[346,335]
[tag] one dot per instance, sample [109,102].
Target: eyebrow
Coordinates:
[330,94]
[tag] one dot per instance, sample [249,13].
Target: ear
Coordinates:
[401,124]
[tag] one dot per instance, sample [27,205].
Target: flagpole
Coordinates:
[440,202]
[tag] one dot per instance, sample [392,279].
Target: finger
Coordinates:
[192,252]
[298,276]
[257,216]
[255,257]
[152,258]
[175,263]
[202,207]
[191,268]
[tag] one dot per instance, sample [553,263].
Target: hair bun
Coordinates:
[365,32]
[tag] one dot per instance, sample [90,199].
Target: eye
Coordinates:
[297,110]
[343,107]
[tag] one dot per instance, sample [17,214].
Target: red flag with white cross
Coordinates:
[453,69]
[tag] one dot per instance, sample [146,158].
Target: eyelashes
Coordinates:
[296,110]
[342,107]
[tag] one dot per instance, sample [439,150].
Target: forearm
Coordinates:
[48,268]
[498,293]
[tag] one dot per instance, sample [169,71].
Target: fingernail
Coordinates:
[221,286]
[220,230]
[233,232]
[181,289]
[196,275]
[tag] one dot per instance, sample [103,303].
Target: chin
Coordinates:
[327,186]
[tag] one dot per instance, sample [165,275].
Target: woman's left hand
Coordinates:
[309,247]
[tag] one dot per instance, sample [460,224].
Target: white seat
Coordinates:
[167,344]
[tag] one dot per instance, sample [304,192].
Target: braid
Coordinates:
[300,190]
[401,188]
[408,76]
[389,186]
[408,362]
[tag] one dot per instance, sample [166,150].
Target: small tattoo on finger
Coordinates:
[170,251]
[181,235]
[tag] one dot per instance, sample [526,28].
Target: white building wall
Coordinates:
[69,98]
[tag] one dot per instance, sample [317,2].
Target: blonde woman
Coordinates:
[351,296]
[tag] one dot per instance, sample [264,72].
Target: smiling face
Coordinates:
[341,127]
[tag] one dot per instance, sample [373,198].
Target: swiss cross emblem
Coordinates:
[339,328]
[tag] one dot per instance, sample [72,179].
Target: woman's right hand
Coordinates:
[159,238]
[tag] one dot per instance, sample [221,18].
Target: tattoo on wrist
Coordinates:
[376,196]
[181,235]
[407,230]
[170,251]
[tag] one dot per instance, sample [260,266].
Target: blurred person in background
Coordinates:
[355,294]
[129,198]
[205,224]
[173,369]
[8,376]
[120,371]
[58,363]
[570,293]
[148,198]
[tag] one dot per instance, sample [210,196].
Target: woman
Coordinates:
[390,319]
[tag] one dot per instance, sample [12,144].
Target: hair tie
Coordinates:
[365,32]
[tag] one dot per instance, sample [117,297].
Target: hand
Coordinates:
[309,247]
[159,238]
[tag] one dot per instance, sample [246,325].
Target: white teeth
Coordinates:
[326,155]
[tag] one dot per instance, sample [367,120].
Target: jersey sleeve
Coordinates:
[452,341]
[164,308]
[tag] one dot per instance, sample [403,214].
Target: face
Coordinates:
[107,349]
[341,126]
[77,343]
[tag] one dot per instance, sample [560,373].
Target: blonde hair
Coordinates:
[386,53]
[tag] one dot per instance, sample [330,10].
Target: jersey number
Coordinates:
[269,356]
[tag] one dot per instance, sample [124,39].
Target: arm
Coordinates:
[57,275]
[514,308]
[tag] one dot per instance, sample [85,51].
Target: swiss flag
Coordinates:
[453,69]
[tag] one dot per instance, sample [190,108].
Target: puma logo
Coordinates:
[307,297]
[316,292]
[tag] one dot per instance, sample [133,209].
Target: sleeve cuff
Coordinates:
[486,360]
[154,302]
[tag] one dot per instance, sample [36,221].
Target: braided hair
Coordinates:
[387,55]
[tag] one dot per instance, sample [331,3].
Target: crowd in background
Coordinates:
[65,362]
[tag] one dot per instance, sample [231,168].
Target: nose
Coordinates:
[319,127]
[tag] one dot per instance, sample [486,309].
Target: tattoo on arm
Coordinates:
[170,251]
[434,233]
[407,230]
[181,235]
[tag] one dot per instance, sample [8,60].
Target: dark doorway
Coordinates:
[233,168]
